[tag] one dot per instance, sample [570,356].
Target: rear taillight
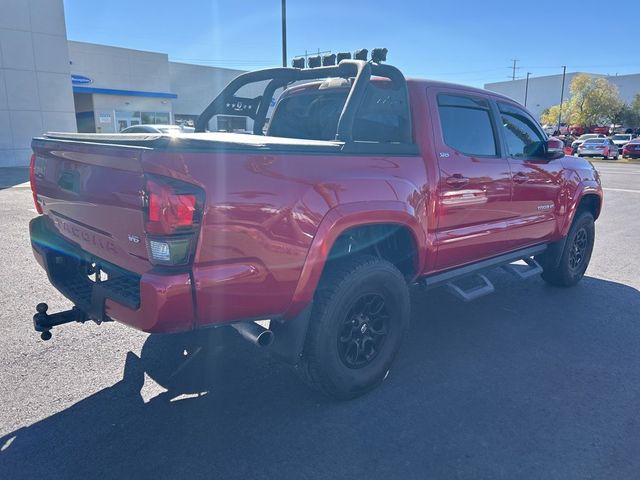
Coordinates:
[168,210]
[32,181]
[173,215]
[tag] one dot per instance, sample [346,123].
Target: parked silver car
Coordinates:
[598,147]
[581,139]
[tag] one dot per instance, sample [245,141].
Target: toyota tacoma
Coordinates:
[357,185]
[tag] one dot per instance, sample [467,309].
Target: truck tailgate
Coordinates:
[92,194]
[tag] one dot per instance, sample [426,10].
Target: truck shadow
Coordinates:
[533,382]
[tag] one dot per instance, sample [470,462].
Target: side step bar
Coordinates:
[523,272]
[484,287]
[475,284]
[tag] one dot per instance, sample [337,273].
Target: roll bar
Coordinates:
[228,103]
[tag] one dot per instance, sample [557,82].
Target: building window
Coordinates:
[155,118]
[185,120]
[125,119]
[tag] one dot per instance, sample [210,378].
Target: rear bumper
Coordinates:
[154,302]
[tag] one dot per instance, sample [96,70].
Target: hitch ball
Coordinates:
[40,319]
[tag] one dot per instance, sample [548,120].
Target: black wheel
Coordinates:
[576,254]
[360,314]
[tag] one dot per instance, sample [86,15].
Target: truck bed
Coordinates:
[209,141]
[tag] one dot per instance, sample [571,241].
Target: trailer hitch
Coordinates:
[43,322]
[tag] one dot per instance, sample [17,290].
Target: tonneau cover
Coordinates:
[209,141]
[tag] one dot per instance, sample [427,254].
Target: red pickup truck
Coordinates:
[363,184]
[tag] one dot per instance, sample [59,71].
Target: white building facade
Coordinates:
[115,88]
[544,92]
[35,87]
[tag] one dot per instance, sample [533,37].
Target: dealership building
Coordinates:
[115,88]
[48,83]
[544,92]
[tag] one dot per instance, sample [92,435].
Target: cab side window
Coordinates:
[522,135]
[467,125]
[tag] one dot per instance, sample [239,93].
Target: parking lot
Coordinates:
[530,382]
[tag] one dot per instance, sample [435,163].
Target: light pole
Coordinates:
[564,73]
[284,33]
[526,89]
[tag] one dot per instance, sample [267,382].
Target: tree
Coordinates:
[635,108]
[628,117]
[594,101]
[550,115]
[603,103]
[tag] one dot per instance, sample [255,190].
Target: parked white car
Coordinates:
[621,139]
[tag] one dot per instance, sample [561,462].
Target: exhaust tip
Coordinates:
[255,333]
[265,338]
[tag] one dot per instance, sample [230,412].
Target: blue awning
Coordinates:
[127,93]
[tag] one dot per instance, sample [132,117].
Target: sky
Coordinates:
[461,41]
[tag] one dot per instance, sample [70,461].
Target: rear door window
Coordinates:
[467,125]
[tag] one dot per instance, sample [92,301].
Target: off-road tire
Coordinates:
[324,366]
[566,273]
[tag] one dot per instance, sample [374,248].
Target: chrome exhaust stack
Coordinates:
[256,334]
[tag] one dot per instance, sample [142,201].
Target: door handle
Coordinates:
[520,177]
[457,180]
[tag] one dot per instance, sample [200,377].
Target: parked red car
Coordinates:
[631,149]
[364,184]
[577,130]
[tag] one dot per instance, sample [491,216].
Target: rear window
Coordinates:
[383,115]
[595,141]
[311,116]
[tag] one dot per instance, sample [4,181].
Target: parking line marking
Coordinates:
[621,190]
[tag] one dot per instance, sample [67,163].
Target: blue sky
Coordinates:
[468,42]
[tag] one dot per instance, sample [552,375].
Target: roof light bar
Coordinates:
[314,62]
[361,54]
[343,56]
[379,55]
[329,59]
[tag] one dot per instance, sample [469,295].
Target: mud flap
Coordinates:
[290,336]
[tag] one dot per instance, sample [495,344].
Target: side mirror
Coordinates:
[555,149]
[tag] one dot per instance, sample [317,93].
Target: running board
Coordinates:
[477,285]
[522,271]
[483,287]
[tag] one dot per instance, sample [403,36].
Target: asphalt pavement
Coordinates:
[530,382]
